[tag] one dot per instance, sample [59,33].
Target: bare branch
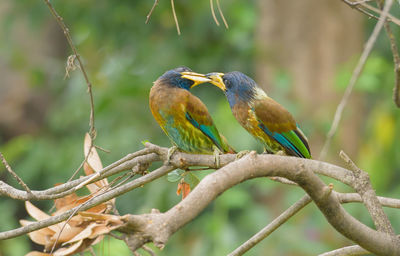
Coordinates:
[61,23]
[362,185]
[175,17]
[271,227]
[98,200]
[158,227]
[151,11]
[362,7]
[353,250]
[356,198]
[396,60]
[20,181]
[128,162]
[222,15]
[213,12]
[356,73]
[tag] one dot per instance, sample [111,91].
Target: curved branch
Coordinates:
[158,227]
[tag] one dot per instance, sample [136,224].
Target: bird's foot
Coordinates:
[217,153]
[242,154]
[171,151]
[280,153]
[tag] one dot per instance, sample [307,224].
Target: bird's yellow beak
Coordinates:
[216,79]
[195,77]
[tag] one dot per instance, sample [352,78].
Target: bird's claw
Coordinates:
[171,151]
[217,153]
[242,154]
[280,153]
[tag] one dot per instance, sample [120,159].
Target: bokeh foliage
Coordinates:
[123,56]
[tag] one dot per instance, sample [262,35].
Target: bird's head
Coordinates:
[236,86]
[183,77]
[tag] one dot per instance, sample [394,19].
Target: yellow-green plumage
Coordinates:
[183,117]
[265,119]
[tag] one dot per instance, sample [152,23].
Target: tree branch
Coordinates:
[157,227]
[353,250]
[356,73]
[271,227]
[363,187]
[19,180]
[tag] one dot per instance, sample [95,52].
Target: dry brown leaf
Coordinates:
[183,188]
[93,158]
[70,250]
[40,236]
[85,233]
[34,253]
[93,163]
[37,214]
[60,203]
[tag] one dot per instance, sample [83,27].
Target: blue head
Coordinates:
[236,86]
[182,77]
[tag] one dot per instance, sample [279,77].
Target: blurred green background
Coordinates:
[301,52]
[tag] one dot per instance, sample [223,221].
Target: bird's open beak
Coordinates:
[195,77]
[216,79]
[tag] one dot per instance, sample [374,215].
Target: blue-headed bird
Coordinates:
[264,118]
[184,117]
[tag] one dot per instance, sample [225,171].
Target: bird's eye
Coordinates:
[227,83]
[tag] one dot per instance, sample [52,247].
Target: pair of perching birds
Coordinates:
[186,121]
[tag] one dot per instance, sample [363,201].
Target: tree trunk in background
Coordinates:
[311,39]
[24,92]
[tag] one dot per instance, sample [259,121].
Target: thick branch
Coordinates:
[363,187]
[158,227]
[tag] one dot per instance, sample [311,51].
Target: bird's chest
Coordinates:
[246,116]
[167,106]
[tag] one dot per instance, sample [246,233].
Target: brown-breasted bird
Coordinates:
[264,118]
[184,117]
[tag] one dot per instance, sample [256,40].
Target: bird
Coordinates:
[264,118]
[183,117]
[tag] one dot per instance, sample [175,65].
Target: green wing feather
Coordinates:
[279,124]
[197,114]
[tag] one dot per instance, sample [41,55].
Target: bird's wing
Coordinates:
[197,114]
[279,124]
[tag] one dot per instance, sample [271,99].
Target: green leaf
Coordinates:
[175,175]
[144,142]
[192,179]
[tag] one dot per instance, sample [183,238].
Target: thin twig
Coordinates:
[213,12]
[353,250]
[149,250]
[363,187]
[363,7]
[61,23]
[175,18]
[222,15]
[102,149]
[356,73]
[396,60]
[20,181]
[151,11]
[276,223]
[91,251]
